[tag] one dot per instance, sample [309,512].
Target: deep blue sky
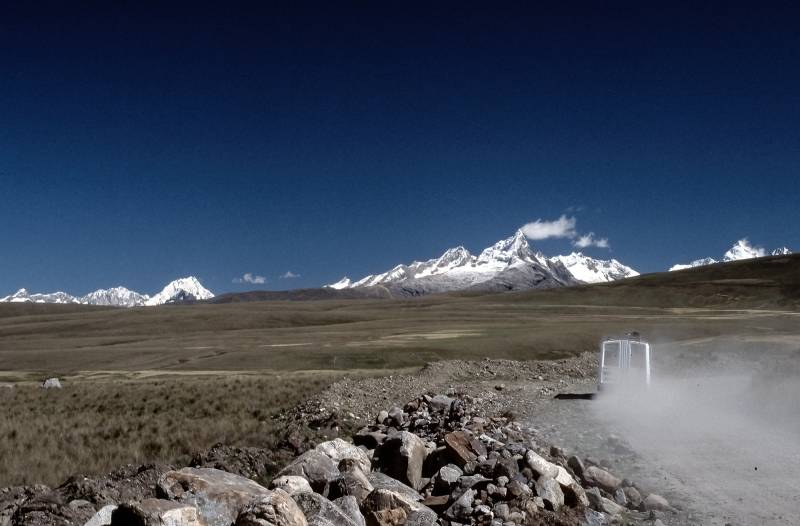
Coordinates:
[139,144]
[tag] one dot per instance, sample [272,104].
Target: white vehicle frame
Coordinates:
[626,352]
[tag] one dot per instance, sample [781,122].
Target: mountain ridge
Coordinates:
[509,264]
[177,291]
[741,249]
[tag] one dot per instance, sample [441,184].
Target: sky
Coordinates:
[265,147]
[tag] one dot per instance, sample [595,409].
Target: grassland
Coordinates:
[157,384]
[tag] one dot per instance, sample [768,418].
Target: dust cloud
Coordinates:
[728,429]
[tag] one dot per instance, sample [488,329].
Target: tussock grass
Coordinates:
[91,427]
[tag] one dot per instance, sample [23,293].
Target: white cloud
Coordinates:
[290,275]
[589,240]
[562,227]
[250,278]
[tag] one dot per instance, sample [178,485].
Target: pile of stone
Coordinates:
[434,461]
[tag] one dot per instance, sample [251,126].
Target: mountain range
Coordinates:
[180,290]
[509,264]
[742,249]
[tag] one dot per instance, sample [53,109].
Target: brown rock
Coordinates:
[459,448]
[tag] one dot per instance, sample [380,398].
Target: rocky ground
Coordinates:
[455,444]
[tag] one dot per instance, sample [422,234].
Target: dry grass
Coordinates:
[91,427]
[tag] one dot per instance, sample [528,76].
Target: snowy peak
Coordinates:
[507,263]
[590,270]
[115,297]
[341,284]
[742,249]
[23,296]
[183,289]
[515,249]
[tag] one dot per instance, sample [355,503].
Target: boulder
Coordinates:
[633,497]
[602,504]
[550,491]
[319,511]
[655,502]
[102,517]
[541,466]
[601,478]
[350,507]
[156,512]
[401,456]
[461,510]
[314,466]
[445,479]
[576,465]
[251,462]
[218,496]
[382,481]
[439,403]
[381,501]
[459,448]
[275,509]
[352,481]
[291,484]
[594,518]
[338,450]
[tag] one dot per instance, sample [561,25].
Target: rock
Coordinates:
[506,467]
[620,498]
[576,465]
[595,518]
[601,478]
[518,490]
[402,457]
[381,500]
[461,509]
[102,517]
[396,417]
[633,497]
[314,466]
[575,495]
[445,479]
[541,466]
[382,481]
[338,450]
[352,482]
[275,509]
[319,511]
[655,502]
[459,448]
[156,512]
[51,383]
[439,403]
[369,439]
[350,507]
[382,417]
[218,496]
[550,491]
[251,462]
[602,504]
[291,484]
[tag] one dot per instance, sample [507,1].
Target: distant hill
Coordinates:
[765,282]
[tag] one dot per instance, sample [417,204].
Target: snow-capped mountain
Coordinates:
[509,264]
[116,297]
[184,289]
[23,296]
[742,249]
[590,270]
